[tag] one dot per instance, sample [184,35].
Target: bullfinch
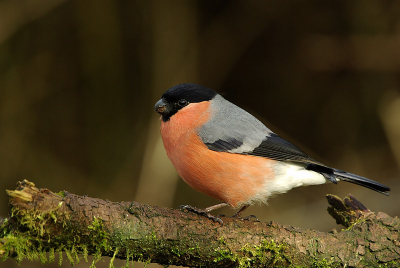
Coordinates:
[223,151]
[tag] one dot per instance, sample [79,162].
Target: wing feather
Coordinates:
[232,129]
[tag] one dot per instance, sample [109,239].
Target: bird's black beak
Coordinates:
[160,107]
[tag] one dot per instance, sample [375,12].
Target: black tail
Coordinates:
[373,185]
[332,173]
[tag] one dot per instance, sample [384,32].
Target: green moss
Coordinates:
[51,255]
[322,264]
[268,253]
[354,223]
[60,257]
[19,245]
[111,265]
[35,222]
[129,256]
[99,235]
[69,257]
[35,242]
[222,241]
[225,254]
[61,193]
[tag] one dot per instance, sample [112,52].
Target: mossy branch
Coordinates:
[42,224]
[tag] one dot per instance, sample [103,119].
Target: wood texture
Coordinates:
[44,222]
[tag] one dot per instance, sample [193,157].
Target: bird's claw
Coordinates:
[202,212]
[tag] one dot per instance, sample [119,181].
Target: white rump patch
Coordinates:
[290,175]
[287,175]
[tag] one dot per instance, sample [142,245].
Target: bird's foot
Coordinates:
[202,212]
[248,218]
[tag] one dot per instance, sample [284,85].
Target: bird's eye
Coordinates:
[183,103]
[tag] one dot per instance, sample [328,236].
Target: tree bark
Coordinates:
[42,223]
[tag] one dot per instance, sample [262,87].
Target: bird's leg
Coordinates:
[206,212]
[237,214]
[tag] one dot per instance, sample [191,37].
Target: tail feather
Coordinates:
[353,178]
[334,175]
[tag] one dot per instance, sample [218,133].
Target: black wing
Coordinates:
[272,147]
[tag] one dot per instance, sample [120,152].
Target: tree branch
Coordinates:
[43,223]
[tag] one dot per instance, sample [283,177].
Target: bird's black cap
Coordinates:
[191,92]
[180,96]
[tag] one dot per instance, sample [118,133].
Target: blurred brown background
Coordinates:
[79,79]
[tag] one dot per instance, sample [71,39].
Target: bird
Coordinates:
[223,151]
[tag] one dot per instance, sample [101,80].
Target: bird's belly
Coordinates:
[233,178]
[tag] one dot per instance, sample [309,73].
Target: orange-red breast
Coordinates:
[223,151]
